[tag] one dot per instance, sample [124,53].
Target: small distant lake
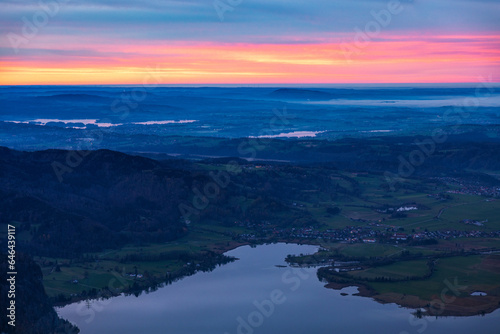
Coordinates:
[479,293]
[254,296]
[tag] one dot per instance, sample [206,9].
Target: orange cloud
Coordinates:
[395,59]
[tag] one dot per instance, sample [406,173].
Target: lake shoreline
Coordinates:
[460,307]
[218,249]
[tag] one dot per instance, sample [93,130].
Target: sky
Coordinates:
[248,41]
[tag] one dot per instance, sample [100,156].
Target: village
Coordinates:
[470,187]
[359,234]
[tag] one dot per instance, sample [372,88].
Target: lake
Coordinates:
[253,295]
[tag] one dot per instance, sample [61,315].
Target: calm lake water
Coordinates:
[252,295]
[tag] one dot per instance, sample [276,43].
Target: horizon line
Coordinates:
[252,84]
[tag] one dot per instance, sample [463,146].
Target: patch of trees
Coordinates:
[333,211]
[206,257]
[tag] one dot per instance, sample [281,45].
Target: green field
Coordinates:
[367,250]
[107,271]
[467,272]
[396,271]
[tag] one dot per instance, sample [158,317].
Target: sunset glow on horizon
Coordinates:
[62,51]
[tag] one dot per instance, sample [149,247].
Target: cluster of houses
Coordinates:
[470,187]
[345,268]
[136,275]
[361,234]
[398,209]
[479,191]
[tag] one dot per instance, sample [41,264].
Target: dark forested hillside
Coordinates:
[34,313]
[110,199]
[105,201]
[75,202]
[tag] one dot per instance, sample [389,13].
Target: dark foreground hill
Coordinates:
[71,204]
[33,312]
[106,200]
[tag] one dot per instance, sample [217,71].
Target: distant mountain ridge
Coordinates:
[301,94]
[75,97]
